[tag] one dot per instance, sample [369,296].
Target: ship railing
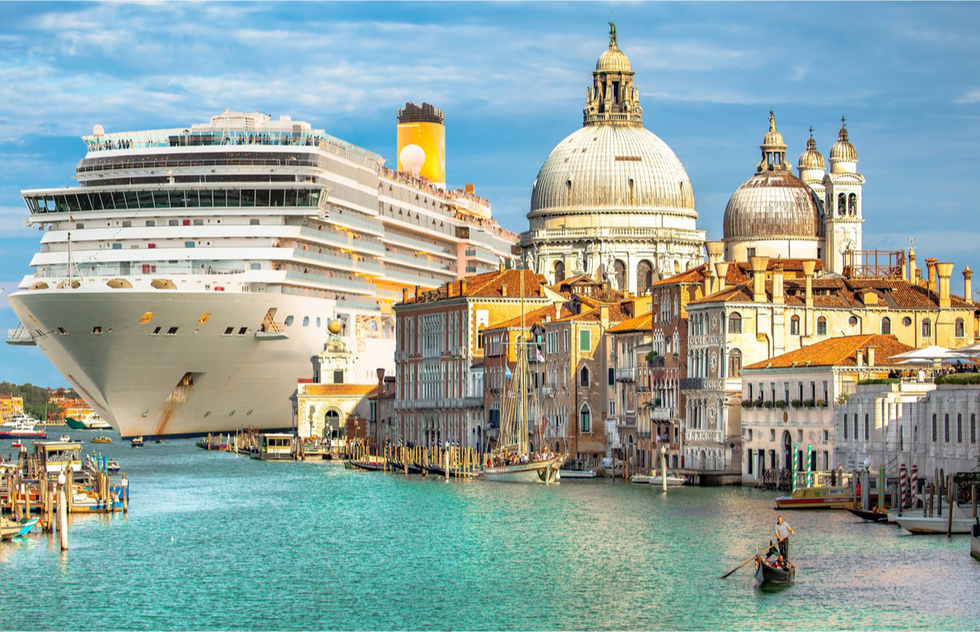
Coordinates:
[334,281]
[20,336]
[338,260]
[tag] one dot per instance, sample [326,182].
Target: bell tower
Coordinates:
[842,203]
[612,98]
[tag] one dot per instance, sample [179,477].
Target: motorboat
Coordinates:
[15,529]
[961,523]
[101,439]
[65,438]
[822,497]
[22,427]
[673,480]
[536,471]
[91,421]
[137,442]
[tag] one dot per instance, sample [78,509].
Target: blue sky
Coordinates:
[511,78]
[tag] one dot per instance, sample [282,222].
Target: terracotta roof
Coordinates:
[643,322]
[488,284]
[616,315]
[340,389]
[837,352]
[696,276]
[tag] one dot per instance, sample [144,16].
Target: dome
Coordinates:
[811,158]
[773,204]
[613,60]
[773,138]
[843,151]
[612,167]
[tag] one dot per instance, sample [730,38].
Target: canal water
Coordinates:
[215,541]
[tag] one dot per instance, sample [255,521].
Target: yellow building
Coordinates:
[11,405]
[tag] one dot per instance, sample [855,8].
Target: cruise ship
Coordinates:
[183,286]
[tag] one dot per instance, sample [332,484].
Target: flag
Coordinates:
[509,374]
[540,356]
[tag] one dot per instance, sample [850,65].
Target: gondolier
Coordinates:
[783,531]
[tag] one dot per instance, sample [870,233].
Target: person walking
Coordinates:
[783,531]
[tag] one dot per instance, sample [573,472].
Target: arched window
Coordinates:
[559,271]
[852,204]
[620,270]
[794,326]
[584,381]
[927,328]
[886,325]
[734,363]
[841,204]
[734,323]
[958,329]
[644,277]
[585,419]
[821,326]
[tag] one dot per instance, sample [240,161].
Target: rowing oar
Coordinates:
[771,546]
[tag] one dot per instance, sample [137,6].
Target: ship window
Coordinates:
[156,332]
[174,222]
[96,330]
[127,224]
[117,246]
[306,321]
[187,222]
[172,331]
[188,244]
[199,222]
[229,331]
[256,266]
[289,321]
[318,321]
[253,222]
[79,226]
[151,223]
[243,331]
[62,331]
[147,317]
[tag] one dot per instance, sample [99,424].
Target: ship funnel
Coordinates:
[422,142]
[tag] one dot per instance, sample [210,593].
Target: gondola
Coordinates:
[870,516]
[370,466]
[768,575]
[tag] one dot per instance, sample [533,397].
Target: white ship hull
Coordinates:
[533,472]
[131,376]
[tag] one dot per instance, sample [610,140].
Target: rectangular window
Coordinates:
[242,331]
[825,397]
[946,428]
[959,428]
[973,428]
[151,223]
[934,427]
[96,330]
[612,407]
[585,340]
[174,222]
[867,429]
[845,428]
[826,436]
[338,377]
[229,331]
[188,244]
[172,331]
[612,376]
[748,462]
[156,332]
[565,339]
[855,426]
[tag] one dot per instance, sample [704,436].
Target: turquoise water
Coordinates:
[222,542]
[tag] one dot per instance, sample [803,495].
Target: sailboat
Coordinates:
[512,461]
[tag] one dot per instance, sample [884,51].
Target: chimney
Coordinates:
[381,378]
[931,267]
[808,268]
[722,268]
[871,355]
[604,316]
[462,287]
[404,295]
[501,267]
[709,280]
[759,278]
[418,292]
[716,249]
[860,357]
[777,283]
[913,271]
[968,283]
[503,289]
[945,271]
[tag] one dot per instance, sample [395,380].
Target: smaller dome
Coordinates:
[811,158]
[613,60]
[773,138]
[843,151]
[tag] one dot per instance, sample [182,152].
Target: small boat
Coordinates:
[869,516]
[17,444]
[768,575]
[641,478]
[101,439]
[14,529]
[112,466]
[21,426]
[137,442]
[65,438]
[673,480]
[540,471]
[563,473]
[370,465]
[937,524]
[92,421]
[825,497]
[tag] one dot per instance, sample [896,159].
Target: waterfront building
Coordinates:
[440,337]
[11,405]
[910,422]
[612,200]
[817,215]
[786,307]
[183,285]
[75,408]
[630,404]
[789,402]
[381,411]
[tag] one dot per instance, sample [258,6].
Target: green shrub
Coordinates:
[883,380]
[809,403]
[747,403]
[781,404]
[958,378]
[653,355]
[768,404]
[822,403]
[797,403]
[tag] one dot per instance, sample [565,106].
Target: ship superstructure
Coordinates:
[185,284]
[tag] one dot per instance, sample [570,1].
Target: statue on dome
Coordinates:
[612,36]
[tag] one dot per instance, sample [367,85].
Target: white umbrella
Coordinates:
[973,351]
[932,353]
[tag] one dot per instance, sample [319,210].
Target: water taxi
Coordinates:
[824,497]
[273,446]
[101,439]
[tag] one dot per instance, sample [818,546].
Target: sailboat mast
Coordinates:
[521,365]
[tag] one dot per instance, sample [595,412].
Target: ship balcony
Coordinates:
[334,283]
[413,279]
[350,220]
[419,262]
[344,262]
[417,244]
[20,336]
[484,257]
[362,244]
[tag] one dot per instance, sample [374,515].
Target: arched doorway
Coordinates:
[619,272]
[331,426]
[787,450]
[702,460]
[644,277]
[559,271]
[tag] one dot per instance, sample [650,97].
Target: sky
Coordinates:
[512,78]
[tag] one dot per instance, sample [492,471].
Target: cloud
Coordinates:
[972,96]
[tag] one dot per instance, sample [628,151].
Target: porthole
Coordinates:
[907,321]
[289,321]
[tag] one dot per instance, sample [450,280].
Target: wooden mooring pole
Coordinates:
[62,512]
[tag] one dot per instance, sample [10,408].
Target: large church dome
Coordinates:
[772,204]
[607,167]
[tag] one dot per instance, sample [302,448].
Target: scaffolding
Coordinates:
[874,264]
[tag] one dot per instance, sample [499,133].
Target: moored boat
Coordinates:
[65,438]
[824,497]
[22,427]
[371,465]
[588,473]
[136,442]
[101,439]
[537,471]
[92,421]
[937,524]
[767,574]
[15,529]
[869,516]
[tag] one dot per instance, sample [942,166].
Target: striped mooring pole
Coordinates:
[882,481]
[903,485]
[809,463]
[913,485]
[796,465]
